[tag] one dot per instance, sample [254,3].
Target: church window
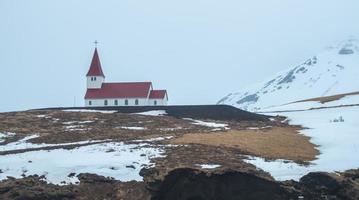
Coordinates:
[116,102]
[126,102]
[106,102]
[155,103]
[91,78]
[136,102]
[94,78]
[90,103]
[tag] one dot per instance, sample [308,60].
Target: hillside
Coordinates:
[156,154]
[331,72]
[321,95]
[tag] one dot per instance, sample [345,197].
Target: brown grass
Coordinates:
[273,143]
[327,99]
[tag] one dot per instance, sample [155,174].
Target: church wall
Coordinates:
[111,102]
[160,102]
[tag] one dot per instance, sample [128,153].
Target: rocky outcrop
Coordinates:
[318,185]
[91,187]
[191,184]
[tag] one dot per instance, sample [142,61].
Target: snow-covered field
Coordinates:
[153,113]
[114,159]
[347,100]
[214,125]
[209,166]
[24,144]
[5,135]
[338,142]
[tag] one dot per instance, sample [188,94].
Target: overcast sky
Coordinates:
[199,50]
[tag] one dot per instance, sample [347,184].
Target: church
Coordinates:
[100,93]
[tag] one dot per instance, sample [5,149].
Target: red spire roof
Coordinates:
[95,68]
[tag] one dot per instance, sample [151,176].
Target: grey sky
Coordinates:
[200,50]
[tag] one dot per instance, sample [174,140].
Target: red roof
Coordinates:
[120,90]
[95,67]
[158,94]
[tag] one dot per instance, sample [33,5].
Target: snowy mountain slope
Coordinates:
[334,71]
[345,100]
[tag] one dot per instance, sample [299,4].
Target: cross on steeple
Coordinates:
[96,42]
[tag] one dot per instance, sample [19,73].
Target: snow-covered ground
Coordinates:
[95,111]
[3,136]
[216,126]
[209,166]
[134,128]
[120,161]
[153,113]
[24,144]
[338,142]
[155,139]
[347,100]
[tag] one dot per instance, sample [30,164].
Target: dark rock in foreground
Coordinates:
[189,184]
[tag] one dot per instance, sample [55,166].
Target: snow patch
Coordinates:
[280,169]
[91,111]
[208,124]
[109,159]
[5,135]
[153,113]
[258,128]
[170,129]
[154,139]
[77,122]
[337,142]
[135,128]
[24,144]
[208,166]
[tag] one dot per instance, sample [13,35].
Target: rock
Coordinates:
[330,185]
[130,166]
[187,184]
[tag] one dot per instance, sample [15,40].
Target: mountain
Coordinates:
[331,72]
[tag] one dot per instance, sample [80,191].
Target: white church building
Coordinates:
[100,93]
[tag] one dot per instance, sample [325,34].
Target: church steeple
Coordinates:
[95,76]
[95,67]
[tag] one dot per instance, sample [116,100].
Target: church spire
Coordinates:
[95,67]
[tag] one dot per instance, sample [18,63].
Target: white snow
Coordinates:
[77,122]
[258,128]
[208,166]
[280,169]
[338,142]
[328,73]
[91,111]
[208,124]
[153,113]
[347,100]
[135,128]
[5,135]
[170,129]
[155,139]
[24,144]
[109,159]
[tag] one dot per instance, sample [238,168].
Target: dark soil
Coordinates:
[214,112]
